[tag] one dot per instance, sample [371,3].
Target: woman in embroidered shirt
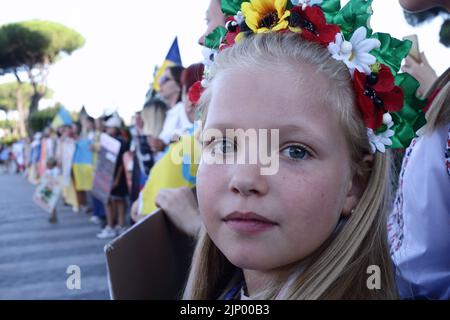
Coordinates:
[419,223]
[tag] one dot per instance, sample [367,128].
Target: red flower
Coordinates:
[233,30]
[377,94]
[313,25]
[195,92]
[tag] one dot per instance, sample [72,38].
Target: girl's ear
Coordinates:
[357,185]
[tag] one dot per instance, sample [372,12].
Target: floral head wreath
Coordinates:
[386,98]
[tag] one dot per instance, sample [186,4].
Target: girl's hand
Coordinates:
[181,207]
[422,71]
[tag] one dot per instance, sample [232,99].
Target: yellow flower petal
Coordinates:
[280,6]
[285,15]
[280,26]
[251,16]
[239,37]
[246,8]
[295,29]
[262,30]
[263,6]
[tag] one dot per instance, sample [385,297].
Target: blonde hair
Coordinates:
[153,116]
[338,269]
[439,112]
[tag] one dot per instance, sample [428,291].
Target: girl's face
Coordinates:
[264,222]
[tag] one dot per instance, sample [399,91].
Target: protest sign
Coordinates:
[47,193]
[106,163]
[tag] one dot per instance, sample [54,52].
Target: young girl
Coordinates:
[52,171]
[316,228]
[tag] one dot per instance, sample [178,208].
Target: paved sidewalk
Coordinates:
[34,255]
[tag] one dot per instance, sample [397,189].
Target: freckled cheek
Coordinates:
[309,206]
[211,188]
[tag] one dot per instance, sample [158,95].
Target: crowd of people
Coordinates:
[312,229]
[70,151]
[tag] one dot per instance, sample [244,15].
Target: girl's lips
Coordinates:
[248,222]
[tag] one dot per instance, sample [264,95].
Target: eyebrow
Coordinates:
[306,132]
[282,128]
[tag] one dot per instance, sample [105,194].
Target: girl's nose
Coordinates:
[247,180]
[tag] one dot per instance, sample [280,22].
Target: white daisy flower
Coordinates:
[306,3]
[381,140]
[355,53]
[239,18]
[208,56]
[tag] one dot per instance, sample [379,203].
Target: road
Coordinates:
[35,255]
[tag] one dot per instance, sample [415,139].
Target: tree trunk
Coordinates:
[39,89]
[22,113]
[35,98]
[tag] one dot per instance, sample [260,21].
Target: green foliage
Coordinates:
[25,44]
[8,95]
[9,140]
[41,119]
[8,124]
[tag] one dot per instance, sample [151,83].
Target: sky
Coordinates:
[126,39]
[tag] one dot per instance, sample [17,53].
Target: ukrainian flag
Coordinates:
[62,118]
[173,58]
[83,165]
[169,174]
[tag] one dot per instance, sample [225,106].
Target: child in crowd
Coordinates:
[52,171]
[315,227]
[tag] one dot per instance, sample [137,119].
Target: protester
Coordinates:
[5,157]
[116,207]
[170,91]
[46,150]
[153,116]
[98,208]
[142,156]
[180,204]
[18,149]
[65,154]
[33,172]
[83,163]
[167,172]
[419,221]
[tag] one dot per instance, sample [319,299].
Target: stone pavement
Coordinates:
[35,255]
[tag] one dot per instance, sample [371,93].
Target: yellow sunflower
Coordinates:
[265,15]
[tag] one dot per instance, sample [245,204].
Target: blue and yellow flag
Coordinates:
[167,174]
[83,165]
[62,118]
[173,58]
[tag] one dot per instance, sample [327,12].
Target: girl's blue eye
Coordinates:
[296,152]
[224,146]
